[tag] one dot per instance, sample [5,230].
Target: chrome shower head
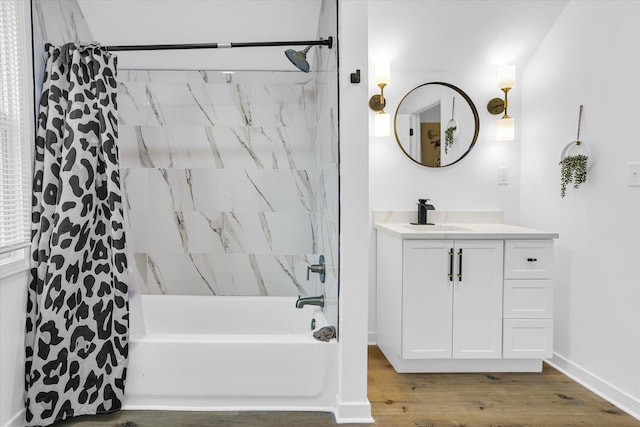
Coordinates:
[299,58]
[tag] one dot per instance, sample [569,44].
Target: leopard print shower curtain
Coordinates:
[77,309]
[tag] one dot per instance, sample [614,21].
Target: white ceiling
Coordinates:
[454,35]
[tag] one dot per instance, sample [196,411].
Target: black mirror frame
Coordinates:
[476,119]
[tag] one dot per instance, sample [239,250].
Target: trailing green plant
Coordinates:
[448,137]
[573,169]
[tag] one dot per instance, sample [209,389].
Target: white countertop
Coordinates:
[454,225]
[463,231]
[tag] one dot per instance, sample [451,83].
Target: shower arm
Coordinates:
[322,42]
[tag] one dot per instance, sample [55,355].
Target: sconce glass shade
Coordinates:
[382,73]
[507,76]
[382,124]
[505,129]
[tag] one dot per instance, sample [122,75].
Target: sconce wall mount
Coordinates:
[377,102]
[498,105]
[505,125]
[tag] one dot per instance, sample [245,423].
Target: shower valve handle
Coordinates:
[317,268]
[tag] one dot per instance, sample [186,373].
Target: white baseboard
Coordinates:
[353,412]
[17,420]
[372,338]
[609,392]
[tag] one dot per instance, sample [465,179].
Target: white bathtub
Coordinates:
[229,353]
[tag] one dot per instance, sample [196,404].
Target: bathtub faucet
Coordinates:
[301,302]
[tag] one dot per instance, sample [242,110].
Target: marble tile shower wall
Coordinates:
[220,181]
[213,172]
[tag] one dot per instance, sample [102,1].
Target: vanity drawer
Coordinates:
[527,338]
[528,299]
[528,259]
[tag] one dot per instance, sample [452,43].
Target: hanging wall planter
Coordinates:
[573,169]
[575,161]
[452,127]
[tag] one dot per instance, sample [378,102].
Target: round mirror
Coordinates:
[436,124]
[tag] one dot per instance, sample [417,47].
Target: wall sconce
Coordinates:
[505,126]
[382,124]
[382,120]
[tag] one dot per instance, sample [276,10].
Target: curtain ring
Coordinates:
[65,51]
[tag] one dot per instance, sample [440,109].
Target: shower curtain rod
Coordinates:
[328,42]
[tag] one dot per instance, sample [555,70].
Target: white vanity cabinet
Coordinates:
[452,299]
[464,304]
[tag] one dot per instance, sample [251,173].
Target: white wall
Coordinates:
[589,57]
[396,182]
[352,403]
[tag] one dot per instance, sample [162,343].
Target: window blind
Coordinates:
[15,206]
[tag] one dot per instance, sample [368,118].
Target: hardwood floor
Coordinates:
[516,399]
[420,400]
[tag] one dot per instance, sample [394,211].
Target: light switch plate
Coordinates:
[503,176]
[634,175]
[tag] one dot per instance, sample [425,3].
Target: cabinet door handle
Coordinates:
[450,265]
[532,259]
[460,265]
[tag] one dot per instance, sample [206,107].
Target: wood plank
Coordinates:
[485,399]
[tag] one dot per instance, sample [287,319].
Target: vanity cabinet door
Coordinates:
[452,299]
[477,299]
[427,302]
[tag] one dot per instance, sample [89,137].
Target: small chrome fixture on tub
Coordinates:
[301,302]
[317,268]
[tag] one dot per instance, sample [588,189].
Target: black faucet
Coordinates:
[423,207]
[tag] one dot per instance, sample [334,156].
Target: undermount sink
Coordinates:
[434,227]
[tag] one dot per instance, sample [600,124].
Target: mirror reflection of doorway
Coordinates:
[430,143]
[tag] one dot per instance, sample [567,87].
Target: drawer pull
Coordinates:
[460,266]
[450,265]
[532,259]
